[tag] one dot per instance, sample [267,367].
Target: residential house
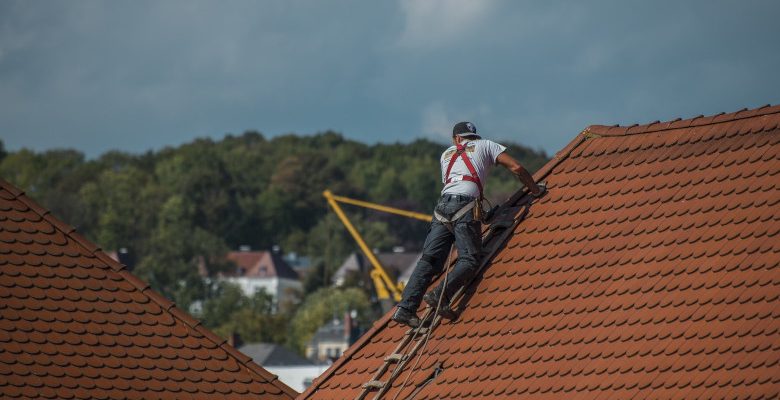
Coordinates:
[333,339]
[292,369]
[265,270]
[357,267]
[650,269]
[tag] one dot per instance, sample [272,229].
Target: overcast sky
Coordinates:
[138,75]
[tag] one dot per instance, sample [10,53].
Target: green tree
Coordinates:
[52,178]
[224,300]
[197,173]
[123,207]
[253,318]
[323,305]
[178,251]
[181,208]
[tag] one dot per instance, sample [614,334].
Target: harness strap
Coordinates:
[458,215]
[460,150]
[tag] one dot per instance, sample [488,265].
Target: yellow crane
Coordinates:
[385,286]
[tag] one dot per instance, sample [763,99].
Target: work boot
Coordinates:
[432,299]
[406,317]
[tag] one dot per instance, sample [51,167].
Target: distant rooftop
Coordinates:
[260,264]
[396,264]
[270,354]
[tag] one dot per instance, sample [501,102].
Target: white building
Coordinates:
[333,339]
[292,369]
[399,264]
[264,270]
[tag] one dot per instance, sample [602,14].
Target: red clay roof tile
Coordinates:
[651,269]
[75,324]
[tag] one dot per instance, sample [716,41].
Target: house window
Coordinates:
[333,352]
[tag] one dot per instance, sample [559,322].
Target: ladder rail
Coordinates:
[400,367]
[491,235]
[456,297]
[408,337]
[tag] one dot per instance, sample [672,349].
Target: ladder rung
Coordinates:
[421,330]
[395,357]
[373,384]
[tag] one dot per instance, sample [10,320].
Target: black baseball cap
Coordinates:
[464,129]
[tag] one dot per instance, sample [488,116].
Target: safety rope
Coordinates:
[430,330]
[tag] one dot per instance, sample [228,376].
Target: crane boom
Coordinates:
[378,207]
[384,285]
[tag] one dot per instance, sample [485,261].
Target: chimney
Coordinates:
[235,340]
[350,326]
[347,326]
[126,257]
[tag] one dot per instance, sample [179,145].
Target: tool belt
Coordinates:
[475,207]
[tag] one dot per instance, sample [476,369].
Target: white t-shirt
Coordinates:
[482,153]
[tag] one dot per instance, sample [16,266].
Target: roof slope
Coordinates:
[75,324]
[269,354]
[649,270]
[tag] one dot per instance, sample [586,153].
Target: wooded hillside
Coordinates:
[201,199]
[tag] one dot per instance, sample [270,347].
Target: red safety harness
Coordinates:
[461,151]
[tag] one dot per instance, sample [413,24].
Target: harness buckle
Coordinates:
[477,211]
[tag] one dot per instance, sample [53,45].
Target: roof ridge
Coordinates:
[376,327]
[679,123]
[168,306]
[281,267]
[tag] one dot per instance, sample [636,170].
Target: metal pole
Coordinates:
[362,244]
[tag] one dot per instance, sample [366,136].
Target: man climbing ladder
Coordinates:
[457,218]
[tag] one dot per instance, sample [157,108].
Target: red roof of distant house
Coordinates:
[651,269]
[74,323]
[260,264]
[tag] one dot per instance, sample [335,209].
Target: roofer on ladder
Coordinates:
[457,217]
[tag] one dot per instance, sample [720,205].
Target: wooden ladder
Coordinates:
[495,237]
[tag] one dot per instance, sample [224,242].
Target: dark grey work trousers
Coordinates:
[468,240]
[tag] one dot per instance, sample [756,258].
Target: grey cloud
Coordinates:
[135,75]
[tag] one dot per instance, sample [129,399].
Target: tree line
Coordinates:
[182,206]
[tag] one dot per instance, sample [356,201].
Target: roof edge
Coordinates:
[679,123]
[560,156]
[538,176]
[168,306]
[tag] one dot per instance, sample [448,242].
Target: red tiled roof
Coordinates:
[75,324]
[261,264]
[649,270]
